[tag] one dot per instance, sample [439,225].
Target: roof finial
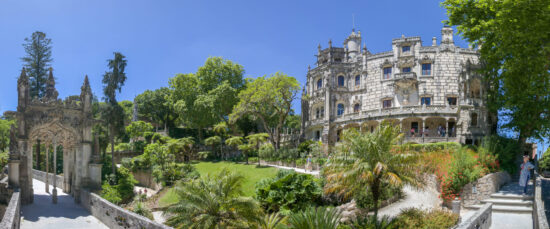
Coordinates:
[353,22]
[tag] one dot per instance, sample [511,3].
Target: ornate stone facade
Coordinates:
[433,92]
[54,122]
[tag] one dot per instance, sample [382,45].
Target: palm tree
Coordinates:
[221,129]
[318,218]
[214,201]
[213,141]
[271,221]
[256,140]
[367,160]
[234,141]
[181,147]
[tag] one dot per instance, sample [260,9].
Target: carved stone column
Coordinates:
[54,196]
[47,168]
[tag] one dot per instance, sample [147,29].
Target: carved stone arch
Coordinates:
[56,132]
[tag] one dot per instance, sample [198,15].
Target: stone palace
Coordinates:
[432,92]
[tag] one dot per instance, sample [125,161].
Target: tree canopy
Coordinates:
[514,42]
[268,99]
[37,61]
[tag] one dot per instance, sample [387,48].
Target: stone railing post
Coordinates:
[54,196]
[456,206]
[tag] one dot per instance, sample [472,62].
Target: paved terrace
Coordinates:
[65,214]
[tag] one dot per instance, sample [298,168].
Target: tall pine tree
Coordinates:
[37,62]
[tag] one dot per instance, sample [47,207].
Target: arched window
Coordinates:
[356,107]
[340,110]
[319,83]
[357,80]
[340,81]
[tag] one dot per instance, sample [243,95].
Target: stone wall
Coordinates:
[11,218]
[41,176]
[480,220]
[114,216]
[145,179]
[484,187]
[539,216]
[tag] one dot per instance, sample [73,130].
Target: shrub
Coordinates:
[173,172]
[416,218]
[253,159]
[369,222]
[110,193]
[288,191]
[506,151]
[126,182]
[123,147]
[140,209]
[305,147]
[430,147]
[544,162]
[318,218]
[463,170]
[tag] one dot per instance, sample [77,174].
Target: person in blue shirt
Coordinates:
[525,173]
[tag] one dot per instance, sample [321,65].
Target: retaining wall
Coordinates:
[539,216]
[41,176]
[145,179]
[114,216]
[484,187]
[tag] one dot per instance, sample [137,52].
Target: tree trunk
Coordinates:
[375,197]
[112,138]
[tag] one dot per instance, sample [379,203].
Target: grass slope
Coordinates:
[251,173]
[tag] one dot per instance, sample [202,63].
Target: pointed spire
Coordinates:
[23,77]
[330,43]
[86,95]
[51,92]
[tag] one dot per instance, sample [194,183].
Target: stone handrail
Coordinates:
[41,176]
[480,220]
[12,215]
[539,216]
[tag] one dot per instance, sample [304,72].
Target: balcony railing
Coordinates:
[405,75]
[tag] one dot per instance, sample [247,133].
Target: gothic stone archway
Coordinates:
[52,121]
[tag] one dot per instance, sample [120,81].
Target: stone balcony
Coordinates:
[397,112]
[405,76]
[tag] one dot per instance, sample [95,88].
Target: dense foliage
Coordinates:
[318,218]
[287,192]
[416,218]
[121,192]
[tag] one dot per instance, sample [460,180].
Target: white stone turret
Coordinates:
[353,44]
[447,35]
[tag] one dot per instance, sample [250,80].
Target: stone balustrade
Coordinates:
[539,216]
[480,220]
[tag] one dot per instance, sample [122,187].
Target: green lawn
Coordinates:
[251,173]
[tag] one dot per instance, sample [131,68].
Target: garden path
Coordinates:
[427,198]
[66,214]
[298,170]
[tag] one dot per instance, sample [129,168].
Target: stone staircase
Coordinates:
[509,200]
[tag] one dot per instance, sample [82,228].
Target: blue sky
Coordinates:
[163,38]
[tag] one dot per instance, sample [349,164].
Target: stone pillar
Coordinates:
[54,196]
[38,154]
[13,174]
[423,128]
[47,168]
[447,133]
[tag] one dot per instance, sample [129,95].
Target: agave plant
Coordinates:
[315,218]
[141,209]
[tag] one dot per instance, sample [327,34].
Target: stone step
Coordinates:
[500,195]
[508,202]
[504,209]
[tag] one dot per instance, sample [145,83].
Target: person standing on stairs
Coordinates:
[525,173]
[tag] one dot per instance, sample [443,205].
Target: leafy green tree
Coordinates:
[157,107]
[5,126]
[269,100]
[138,129]
[113,81]
[217,71]
[366,162]
[37,62]
[513,39]
[215,201]
[234,142]
[318,218]
[256,140]
[246,149]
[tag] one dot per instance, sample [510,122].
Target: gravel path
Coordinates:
[65,214]
[424,199]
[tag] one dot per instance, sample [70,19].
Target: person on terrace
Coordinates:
[525,173]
